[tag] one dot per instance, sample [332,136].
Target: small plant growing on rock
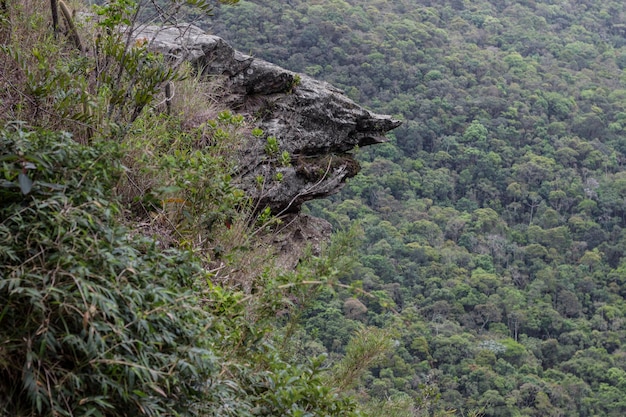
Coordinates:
[295,82]
[285,159]
[271,146]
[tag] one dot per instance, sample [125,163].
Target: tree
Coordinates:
[476,134]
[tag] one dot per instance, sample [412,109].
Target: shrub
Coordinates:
[96,322]
[93,322]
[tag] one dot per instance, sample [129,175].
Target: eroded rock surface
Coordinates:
[311,120]
[298,232]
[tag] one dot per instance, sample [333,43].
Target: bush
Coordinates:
[93,322]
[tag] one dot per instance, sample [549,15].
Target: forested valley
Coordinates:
[477,266]
[494,221]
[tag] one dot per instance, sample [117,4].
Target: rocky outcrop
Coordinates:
[311,121]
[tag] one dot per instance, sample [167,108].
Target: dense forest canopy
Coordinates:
[495,219]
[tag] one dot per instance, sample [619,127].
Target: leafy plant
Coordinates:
[182,177]
[256,132]
[367,348]
[271,146]
[285,159]
[96,321]
[92,320]
[298,391]
[101,90]
[295,82]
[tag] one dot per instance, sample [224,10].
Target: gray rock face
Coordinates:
[311,120]
[300,231]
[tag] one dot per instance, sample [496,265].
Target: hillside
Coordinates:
[494,220]
[146,210]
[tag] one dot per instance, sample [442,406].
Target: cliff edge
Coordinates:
[312,121]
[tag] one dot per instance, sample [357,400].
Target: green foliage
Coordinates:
[296,81]
[495,213]
[493,220]
[365,349]
[116,13]
[95,318]
[102,90]
[192,187]
[397,406]
[97,321]
[298,391]
[271,146]
[129,75]
[285,159]
[92,321]
[57,89]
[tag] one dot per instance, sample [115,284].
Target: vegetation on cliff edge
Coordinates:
[135,278]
